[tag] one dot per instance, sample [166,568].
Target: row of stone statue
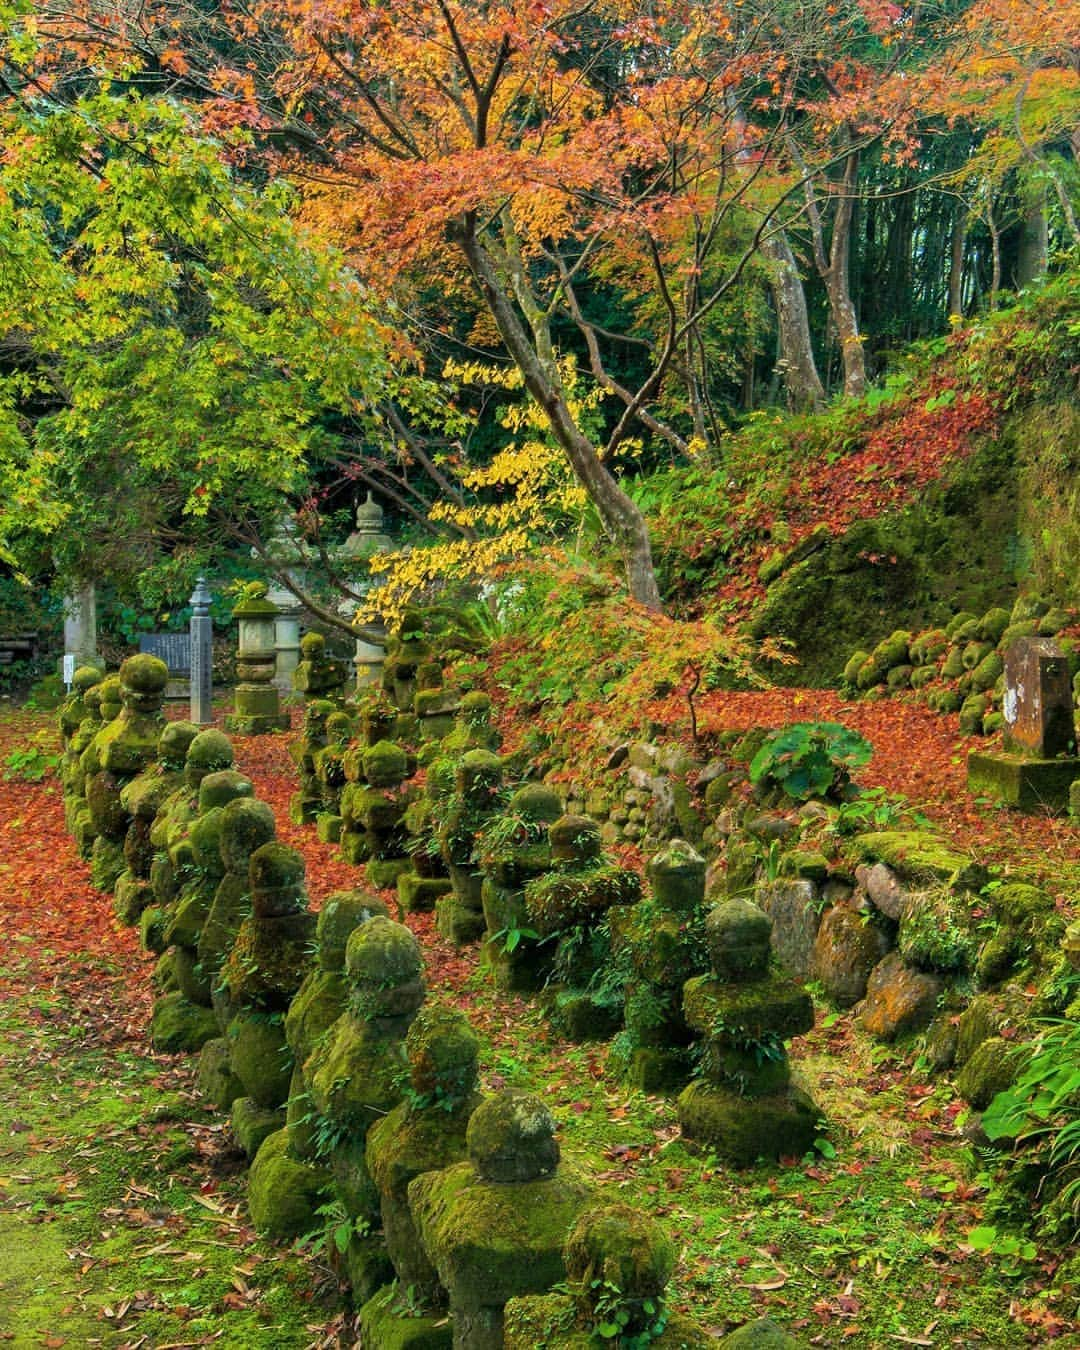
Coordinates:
[343,1085]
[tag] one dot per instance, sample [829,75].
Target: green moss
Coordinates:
[209,752]
[384,968]
[284,1194]
[246,825]
[563,900]
[260,1058]
[178,1025]
[442,1051]
[341,914]
[762,1334]
[215,1082]
[491,1242]
[617,1245]
[385,764]
[386,1322]
[677,876]
[220,788]
[742,1129]
[356,1075]
[994,1066]
[737,936]
[739,1013]
[921,856]
[318,1004]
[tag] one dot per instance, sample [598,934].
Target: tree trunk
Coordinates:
[798,369]
[956,265]
[1033,255]
[838,286]
[621,517]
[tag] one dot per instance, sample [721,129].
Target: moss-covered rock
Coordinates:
[614,1246]
[562,900]
[846,950]
[737,937]
[215,1082]
[920,856]
[355,1076]
[898,999]
[384,969]
[178,1025]
[388,1321]
[762,1334]
[677,877]
[284,1195]
[994,1066]
[252,1124]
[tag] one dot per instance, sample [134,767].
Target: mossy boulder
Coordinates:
[388,1321]
[994,1066]
[762,1334]
[318,1004]
[174,743]
[268,960]
[443,1051]
[220,788]
[846,950]
[215,1081]
[920,856]
[284,1195]
[574,838]
[385,765]
[899,999]
[252,1124]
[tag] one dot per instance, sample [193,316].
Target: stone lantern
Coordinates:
[257,700]
[286,550]
[364,543]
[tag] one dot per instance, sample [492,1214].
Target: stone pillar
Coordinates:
[257,700]
[80,627]
[365,541]
[202,655]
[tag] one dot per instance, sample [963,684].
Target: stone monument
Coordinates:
[1039,763]
[365,541]
[257,707]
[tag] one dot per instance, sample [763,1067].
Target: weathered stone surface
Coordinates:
[846,950]
[741,1129]
[794,908]
[1023,783]
[1038,707]
[898,999]
[883,887]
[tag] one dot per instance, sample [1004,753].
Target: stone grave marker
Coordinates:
[1039,764]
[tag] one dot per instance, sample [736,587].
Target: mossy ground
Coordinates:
[122,1222]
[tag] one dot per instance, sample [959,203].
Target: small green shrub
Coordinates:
[810,759]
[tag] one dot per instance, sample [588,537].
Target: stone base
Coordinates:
[740,1130]
[384,872]
[385,1321]
[256,724]
[579,1017]
[1025,784]
[328,827]
[418,894]
[303,810]
[458,922]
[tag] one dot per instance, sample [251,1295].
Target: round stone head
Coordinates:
[511,1137]
[442,1050]
[614,1247]
[384,968]
[341,914]
[210,751]
[737,937]
[174,743]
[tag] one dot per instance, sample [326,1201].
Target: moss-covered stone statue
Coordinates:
[476,798]
[143,798]
[122,749]
[618,1264]
[357,1074]
[494,1227]
[514,849]
[424,1133]
[660,944]
[568,905]
[744,1106]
